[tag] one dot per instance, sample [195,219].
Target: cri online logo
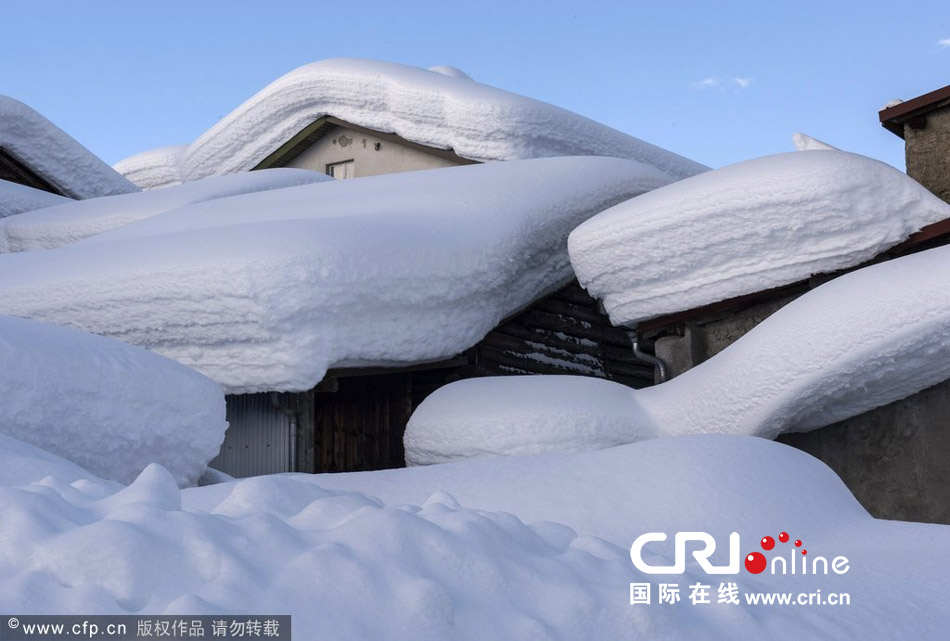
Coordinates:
[755,562]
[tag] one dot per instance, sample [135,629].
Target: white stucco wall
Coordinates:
[342,144]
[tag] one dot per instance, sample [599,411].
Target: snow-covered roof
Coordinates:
[16,198]
[746,228]
[52,154]
[154,168]
[77,219]
[861,341]
[266,291]
[437,108]
[107,406]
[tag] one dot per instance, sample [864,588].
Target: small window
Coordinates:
[342,170]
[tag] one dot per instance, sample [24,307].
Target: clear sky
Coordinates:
[718,82]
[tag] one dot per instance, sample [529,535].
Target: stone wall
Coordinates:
[928,152]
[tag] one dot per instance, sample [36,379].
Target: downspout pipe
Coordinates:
[292,415]
[659,366]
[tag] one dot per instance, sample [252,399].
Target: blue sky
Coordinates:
[717,82]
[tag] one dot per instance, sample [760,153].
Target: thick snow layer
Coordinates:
[22,463]
[524,547]
[153,168]
[449,70]
[436,108]
[804,142]
[523,415]
[746,228]
[266,291]
[16,199]
[863,340]
[109,407]
[54,155]
[75,220]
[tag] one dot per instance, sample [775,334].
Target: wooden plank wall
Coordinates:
[564,333]
[360,425]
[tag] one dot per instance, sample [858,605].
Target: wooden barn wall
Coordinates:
[564,333]
[357,421]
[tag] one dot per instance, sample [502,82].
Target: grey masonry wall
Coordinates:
[927,151]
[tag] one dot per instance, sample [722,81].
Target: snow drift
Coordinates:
[499,549]
[863,340]
[266,291]
[16,198]
[55,156]
[430,107]
[106,406]
[746,228]
[513,415]
[75,220]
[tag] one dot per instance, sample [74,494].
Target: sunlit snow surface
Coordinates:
[513,548]
[746,228]
[16,198]
[441,108]
[72,221]
[54,155]
[266,291]
[110,407]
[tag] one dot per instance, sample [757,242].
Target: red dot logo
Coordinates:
[768,543]
[783,537]
[798,543]
[755,563]
[804,552]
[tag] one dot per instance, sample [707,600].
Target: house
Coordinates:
[356,118]
[36,153]
[353,117]
[327,311]
[893,458]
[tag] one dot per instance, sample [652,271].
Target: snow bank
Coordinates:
[437,108]
[22,464]
[863,340]
[266,291]
[523,415]
[153,168]
[16,199]
[746,228]
[55,156]
[526,547]
[75,220]
[106,406]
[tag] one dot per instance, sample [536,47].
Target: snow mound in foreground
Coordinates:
[54,155]
[435,108]
[498,549]
[22,464]
[523,415]
[863,340]
[16,198]
[106,406]
[746,228]
[154,168]
[75,220]
[266,291]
